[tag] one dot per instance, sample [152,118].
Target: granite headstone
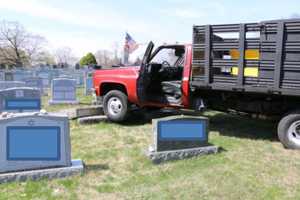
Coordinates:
[178,137]
[39,142]
[20,99]
[63,90]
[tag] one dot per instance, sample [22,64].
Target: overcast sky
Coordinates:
[89,25]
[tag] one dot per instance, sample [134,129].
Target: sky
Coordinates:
[89,25]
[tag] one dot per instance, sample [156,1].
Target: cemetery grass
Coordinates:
[251,165]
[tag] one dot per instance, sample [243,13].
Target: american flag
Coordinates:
[130,44]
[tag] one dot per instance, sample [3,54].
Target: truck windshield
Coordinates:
[166,55]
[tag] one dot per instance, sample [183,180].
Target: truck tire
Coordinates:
[289,130]
[115,106]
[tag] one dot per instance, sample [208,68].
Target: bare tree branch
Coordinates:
[17,46]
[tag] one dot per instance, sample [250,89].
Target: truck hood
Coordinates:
[118,71]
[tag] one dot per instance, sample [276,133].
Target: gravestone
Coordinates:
[21,75]
[63,90]
[35,82]
[2,76]
[79,77]
[179,137]
[45,75]
[20,99]
[11,84]
[35,145]
[88,86]
[8,76]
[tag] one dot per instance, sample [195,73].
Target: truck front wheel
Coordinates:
[289,130]
[115,106]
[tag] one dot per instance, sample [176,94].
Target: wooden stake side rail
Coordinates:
[278,63]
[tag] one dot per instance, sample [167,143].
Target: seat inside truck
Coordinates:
[166,71]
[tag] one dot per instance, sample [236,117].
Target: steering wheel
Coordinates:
[164,64]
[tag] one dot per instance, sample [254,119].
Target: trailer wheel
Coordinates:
[289,130]
[115,106]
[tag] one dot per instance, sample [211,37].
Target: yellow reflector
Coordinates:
[250,54]
[248,71]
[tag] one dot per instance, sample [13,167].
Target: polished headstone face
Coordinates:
[20,99]
[63,91]
[34,141]
[180,132]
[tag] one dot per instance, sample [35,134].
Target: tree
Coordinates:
[45,58]
[17,46]
[88,59]
[64,57]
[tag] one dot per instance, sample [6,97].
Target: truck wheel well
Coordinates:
[106,87]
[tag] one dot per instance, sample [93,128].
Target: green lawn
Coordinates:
[251,165]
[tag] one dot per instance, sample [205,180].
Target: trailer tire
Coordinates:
[289,130]
[115,106]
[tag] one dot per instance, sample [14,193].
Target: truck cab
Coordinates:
[162,80]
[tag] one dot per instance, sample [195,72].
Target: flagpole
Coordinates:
[126,51]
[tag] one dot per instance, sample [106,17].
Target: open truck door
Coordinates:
[143,79]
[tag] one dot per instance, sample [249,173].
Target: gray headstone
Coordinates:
[79,77]
[11,84]
[20,99]
[8,76]
[63,91]
[34,141]
[88,86]
[45,75]
[35,82]
[179,137]
[2,76]
[21,75]
[180,132]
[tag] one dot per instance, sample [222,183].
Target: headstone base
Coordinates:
[92,119]
[74,113]
[53,102]
[50,173]
[162,156]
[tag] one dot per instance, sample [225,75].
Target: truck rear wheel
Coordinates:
[289,130]
[115,106]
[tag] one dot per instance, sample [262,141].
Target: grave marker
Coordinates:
[11,84]
[39,142]
[88,86]
[178,137]
[35,82]
[8,76]
[63,90]
[20,99]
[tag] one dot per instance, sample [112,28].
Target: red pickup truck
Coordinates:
[162,80]
[251,68]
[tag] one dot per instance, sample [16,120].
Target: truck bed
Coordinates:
[259,57]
